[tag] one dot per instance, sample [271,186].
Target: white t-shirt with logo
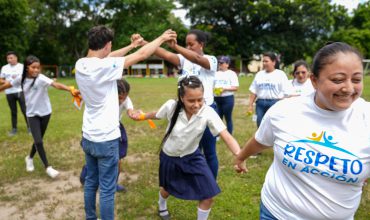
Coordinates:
[206,76]
[273,85]
[226,79]
[321,159]
[10,73]
[305,88]
[126,105]
[96,79]
[36,96]
[186,134]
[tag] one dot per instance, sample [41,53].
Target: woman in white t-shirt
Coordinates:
[301,82]
[38,108]
[269,86]
[226,83]
[321,143]
[183,171]
[192,61]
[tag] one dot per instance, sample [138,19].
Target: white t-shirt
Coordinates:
[186,134]
[273,85]
[305,88]
[96,79]
[10,73]
[226,79]
[321,159]
[37,98]
[126,105]
[206,76]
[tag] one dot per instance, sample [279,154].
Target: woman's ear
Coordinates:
[313,81]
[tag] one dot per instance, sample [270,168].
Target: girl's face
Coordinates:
[33,70]
[193,45]
[193,100]
[223,66]
[301,74]
[339,83]
[268,64]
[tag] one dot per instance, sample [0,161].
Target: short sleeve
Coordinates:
[182,61]
[128,103]
[214,121]
[44,81]
[112,68]
[212,63]
[264,134]
[2,74]
[166,109]
[253,86]
[234,79]
[287,87]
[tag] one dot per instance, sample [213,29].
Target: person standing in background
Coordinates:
[226,83]
[10,72]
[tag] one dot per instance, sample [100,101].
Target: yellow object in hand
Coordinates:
[217,91]
[142,116]
[249,113]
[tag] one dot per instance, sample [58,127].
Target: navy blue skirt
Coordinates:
[187,177]
[122,149]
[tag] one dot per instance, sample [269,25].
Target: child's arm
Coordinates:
[136,40]
[149,48]
[5,85]
[234,147]
[64,87]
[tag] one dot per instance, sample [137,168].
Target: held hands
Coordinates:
[137,40]
[240,165]
[137,115]
[169,36]
[74,92]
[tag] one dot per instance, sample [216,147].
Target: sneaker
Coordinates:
[164,214]
[52,172]
[29,164]
[120,188]
[12,132]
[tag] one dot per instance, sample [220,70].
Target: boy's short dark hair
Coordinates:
[11,53]
[99,36]
[123,86]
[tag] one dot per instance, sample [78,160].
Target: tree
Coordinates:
[15,27]
[246,27]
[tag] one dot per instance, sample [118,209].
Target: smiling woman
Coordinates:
[317,176]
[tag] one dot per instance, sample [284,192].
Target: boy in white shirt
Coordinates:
[96,76]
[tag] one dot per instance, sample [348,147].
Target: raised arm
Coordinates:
[136,40]
[149,48]
[191,55]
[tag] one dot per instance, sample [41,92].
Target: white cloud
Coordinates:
[349,4]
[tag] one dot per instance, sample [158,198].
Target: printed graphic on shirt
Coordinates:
[321,155]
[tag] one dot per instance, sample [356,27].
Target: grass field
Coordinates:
[35,196]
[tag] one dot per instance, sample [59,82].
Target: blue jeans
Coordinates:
[208,146]
[262,105]
[102,166]
[225,107]
[265,214]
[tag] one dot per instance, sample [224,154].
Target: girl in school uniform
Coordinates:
[183,170]
[38,108]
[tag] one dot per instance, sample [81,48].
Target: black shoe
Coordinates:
[164,214]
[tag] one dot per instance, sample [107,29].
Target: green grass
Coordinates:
[240,193]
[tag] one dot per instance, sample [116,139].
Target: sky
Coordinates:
[349,4]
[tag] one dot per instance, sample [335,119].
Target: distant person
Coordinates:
[96,76]
[14,94]
[301,82]
[192,61]
[226,83]
[321,143]
[183,171]
[269,86]
[35,86]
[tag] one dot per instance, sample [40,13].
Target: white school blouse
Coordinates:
[186,134]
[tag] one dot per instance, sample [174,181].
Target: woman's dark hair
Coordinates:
[28,61]
[99,36]
[299,63]
[327,53]
[274,57]
[188,82]
[202,37]
[123,86]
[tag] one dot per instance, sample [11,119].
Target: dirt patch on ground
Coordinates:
[44,199]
